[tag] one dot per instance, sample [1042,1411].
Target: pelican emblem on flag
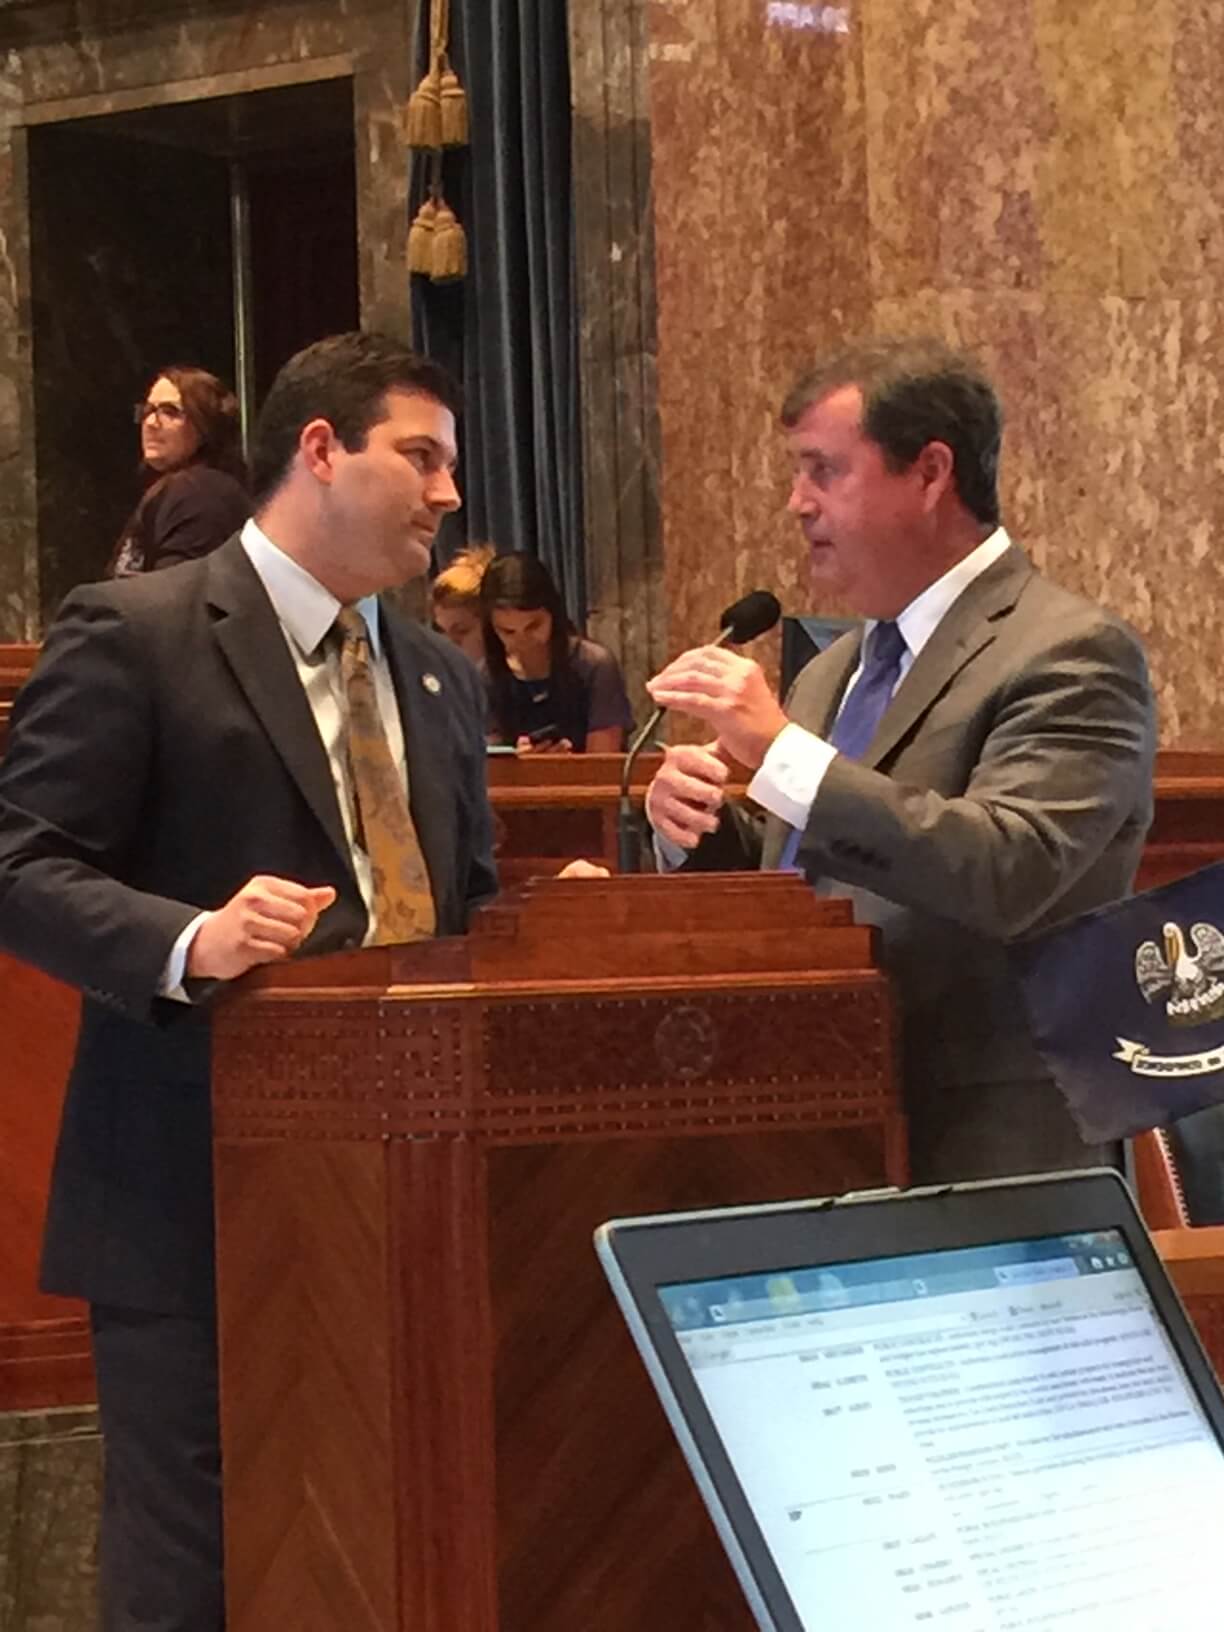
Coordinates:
[1189,982]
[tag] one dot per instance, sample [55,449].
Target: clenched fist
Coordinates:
[266,920]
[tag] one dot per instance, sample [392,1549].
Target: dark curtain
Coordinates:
[510,329]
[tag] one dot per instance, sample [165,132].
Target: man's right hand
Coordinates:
[268,919]
[683,800]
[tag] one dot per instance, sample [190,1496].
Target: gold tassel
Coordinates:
[421,238]
[423,124]
[454,119]
[449,246]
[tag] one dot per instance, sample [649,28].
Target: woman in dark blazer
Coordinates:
[195,493]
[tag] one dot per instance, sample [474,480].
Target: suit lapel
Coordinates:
[965,630]
[250,637]
[421,691]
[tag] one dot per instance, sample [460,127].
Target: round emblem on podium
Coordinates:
[686,1042]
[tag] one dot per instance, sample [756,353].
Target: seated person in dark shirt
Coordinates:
[550,691]
[195,494]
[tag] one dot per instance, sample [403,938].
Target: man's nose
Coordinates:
[442,494]
[802,501]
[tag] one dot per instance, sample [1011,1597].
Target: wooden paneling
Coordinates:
[1188,829]
[317,1535]
[44,1345]
[1195,1260]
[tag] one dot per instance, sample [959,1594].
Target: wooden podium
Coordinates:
[432,1416]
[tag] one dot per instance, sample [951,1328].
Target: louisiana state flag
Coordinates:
[1127,1006]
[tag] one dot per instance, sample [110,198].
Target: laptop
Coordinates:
[976,1407]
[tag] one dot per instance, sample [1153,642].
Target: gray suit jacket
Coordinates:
[1009,785]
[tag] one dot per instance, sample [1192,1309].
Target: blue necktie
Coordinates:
[863,709]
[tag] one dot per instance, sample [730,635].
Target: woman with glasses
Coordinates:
[195,492]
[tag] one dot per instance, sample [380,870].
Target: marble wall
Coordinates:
[64,60]
[1040,181]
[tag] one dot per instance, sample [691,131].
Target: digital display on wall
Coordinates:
[799,17]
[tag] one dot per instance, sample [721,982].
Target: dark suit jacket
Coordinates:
[184,515]
[162,753]
[1009,785]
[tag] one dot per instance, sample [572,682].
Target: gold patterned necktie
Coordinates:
[403,902]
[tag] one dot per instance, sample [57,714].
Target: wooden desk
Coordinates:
[15,664]
[550,808]
[1195,1261]
[1187,831]
[553,807]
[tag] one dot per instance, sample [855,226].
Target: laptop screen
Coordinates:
[983,1438]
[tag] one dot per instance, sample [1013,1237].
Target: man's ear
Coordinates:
[317,445]
[936,468]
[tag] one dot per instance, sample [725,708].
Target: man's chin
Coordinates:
[824,570]
[417,557]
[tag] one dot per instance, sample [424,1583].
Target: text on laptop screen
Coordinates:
[985,1439]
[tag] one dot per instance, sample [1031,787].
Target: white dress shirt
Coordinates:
[306,612]
[788,779]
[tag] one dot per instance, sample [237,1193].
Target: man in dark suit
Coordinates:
[186,795]
[972,765]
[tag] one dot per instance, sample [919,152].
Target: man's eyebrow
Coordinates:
[417,439]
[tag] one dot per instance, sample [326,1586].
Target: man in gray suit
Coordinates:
[973,764]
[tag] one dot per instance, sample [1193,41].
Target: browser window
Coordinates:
[986,1439]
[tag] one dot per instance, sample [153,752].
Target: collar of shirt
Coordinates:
[306,610]
[920,619]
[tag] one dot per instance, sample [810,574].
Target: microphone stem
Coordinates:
[627,843]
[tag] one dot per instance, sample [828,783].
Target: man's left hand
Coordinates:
[730,693]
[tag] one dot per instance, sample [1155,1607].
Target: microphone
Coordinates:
[752,615]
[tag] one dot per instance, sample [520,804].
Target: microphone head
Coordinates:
[750,616]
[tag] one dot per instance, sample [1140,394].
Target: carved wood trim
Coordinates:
[45,1363]
[562,1067]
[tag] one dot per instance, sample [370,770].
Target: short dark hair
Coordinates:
[344,380]
[917,391]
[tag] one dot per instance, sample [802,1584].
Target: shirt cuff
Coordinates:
[171,983]
[669,857]
[789,777]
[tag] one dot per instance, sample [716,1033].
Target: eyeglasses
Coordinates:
[165,413]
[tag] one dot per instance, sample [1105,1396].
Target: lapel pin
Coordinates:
[432,684]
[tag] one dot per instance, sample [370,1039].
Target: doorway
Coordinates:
[221,232]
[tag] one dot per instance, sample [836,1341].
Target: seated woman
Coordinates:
[454,600]
[195,493]
[550,691]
